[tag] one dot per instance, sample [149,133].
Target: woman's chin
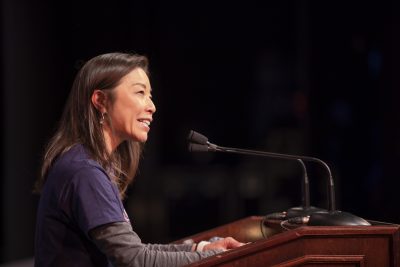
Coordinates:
[139,138]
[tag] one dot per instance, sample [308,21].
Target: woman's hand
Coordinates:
[223,244]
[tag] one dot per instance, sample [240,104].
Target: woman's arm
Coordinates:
[123,247]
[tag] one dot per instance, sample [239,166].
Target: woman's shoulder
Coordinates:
[74,172]
[75,160]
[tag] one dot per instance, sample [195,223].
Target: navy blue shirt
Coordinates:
[78,196]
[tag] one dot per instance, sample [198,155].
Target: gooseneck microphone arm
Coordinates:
[331,217]
[306,187]
[331,192]
[202,144]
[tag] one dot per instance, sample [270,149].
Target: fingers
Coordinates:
[232,243]
[224,244]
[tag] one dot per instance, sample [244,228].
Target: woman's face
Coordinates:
[132,109]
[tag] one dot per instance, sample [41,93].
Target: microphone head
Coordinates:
[198,138]
[197,147]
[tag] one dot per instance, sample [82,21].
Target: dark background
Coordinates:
[313,78]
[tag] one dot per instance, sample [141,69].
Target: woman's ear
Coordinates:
[99,100]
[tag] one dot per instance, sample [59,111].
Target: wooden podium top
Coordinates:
[271,245]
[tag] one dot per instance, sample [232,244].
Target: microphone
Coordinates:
[200,143]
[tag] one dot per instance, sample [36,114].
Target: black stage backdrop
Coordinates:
[302,77]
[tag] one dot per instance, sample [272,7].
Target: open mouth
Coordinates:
[145,122]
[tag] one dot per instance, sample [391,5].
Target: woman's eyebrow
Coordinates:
[140,84]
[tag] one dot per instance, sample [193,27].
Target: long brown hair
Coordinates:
[79,123]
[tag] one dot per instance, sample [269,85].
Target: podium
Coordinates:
[269,244]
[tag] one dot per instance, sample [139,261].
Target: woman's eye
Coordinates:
[140,92]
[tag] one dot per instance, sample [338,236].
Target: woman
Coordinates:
[88,166]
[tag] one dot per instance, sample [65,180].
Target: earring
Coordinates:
[102,118]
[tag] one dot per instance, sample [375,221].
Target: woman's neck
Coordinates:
[110,140]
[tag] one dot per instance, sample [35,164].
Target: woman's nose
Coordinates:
[150,106]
